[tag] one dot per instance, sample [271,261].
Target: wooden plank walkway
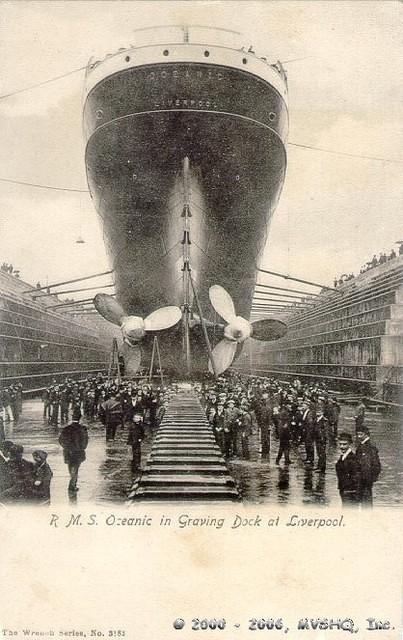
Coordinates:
[185,462]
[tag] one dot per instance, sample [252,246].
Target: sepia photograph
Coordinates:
[201,280]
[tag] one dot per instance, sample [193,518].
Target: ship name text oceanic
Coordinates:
[191,74]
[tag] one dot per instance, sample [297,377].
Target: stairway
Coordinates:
[185,462]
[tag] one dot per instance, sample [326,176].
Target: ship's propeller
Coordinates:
[134,328]
[238,329]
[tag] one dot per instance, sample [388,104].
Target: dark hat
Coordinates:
[346,436]
[40,454]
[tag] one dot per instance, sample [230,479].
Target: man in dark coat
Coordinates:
[136,435]
[55,406]
[320,437]
[284,434]
[245,431]
[218,426]
[369,466]
[264,418]
[65,399]
[308,429]
[74,440]
[347,471]
[111,414]
[333,414]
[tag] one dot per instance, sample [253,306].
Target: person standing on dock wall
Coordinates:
[369,466]
[74,440]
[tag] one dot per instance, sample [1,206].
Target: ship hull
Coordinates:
[135,158]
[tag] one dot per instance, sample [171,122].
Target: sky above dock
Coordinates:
[345,94]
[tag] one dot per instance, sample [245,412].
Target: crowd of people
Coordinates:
[301,418]
[295,419]
[371,264]
[136,408]
[8,268]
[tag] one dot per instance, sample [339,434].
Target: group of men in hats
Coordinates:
[297,415]
[127,405]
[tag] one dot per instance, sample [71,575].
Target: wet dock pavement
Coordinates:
[263,482]
[106,477]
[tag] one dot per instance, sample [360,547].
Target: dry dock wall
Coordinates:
[348,336]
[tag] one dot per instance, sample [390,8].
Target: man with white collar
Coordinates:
[347,471]
[368,464]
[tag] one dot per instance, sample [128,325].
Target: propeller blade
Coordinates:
[223,355]
[162,318]
[109,308]
[222,302]
[132,357]
[268,330]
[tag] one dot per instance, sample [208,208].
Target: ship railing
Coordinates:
[186,39]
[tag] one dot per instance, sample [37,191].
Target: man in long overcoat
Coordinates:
[74,440]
